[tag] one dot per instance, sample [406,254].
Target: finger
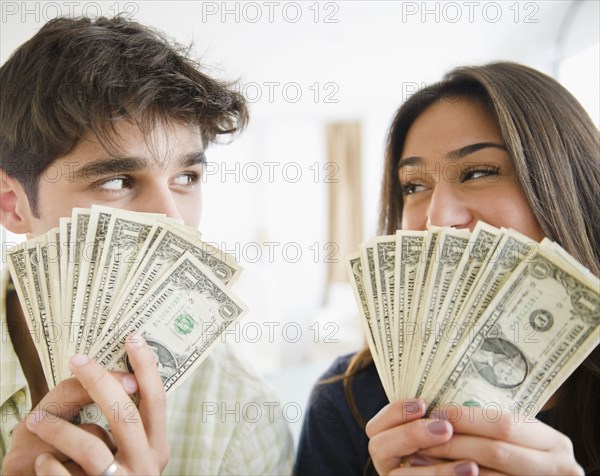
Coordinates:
[65,400]
[90,452]
[25,447]
[69,396]
[106,390]
[458,468]
[47,465]
[153,401]
[99,432]
[505,457]
[501,424]
[490,472]
[418,459]
[388,447]
[394,414]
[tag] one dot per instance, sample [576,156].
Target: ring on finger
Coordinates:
[111,470]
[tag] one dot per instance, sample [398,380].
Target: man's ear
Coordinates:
[15,212]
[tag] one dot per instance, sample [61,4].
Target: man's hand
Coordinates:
[48,443]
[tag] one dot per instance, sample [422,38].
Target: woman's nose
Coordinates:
[448,208]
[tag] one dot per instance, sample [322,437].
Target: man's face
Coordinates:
[158,173]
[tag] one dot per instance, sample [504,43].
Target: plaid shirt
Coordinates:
[221,420]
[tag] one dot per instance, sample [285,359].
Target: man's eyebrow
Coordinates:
[116,165]
[112,165]
[454,154]
[191,159]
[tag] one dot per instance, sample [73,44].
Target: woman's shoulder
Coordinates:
[333,439]
[366,389]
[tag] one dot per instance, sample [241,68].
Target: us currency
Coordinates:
[449,251]
[181,318]
[355,270]
[481,244]
[537,330]
[409,246]
[412,328]
[566,260]
[168,246]
[36,274]
[384,251]
[125,234]
[21,278]
[512,249]
[54,272]
[79,259]
[370,282]
[64,233]
[93,244]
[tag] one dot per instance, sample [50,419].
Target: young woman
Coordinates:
[528,158]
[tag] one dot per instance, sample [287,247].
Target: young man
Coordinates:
[122,119]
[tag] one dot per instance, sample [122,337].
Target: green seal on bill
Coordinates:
[184,324]
[471,403]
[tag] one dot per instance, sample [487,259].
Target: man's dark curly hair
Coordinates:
[77,76]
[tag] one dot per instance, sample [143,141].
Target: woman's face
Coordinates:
[455,170]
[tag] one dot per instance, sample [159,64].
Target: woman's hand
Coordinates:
[49,443]
[470,440]
[503,442]
[399,431]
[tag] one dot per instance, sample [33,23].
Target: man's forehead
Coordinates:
[130,148]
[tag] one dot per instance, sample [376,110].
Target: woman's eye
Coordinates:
[411,188]
[474,174]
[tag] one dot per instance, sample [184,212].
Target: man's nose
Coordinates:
[448,207]
[159,199]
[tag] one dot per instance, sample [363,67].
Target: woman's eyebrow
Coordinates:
[472,148]
[454,154]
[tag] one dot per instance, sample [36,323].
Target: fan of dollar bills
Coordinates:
[105,273]
[474,318]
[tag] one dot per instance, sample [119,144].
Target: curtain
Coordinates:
[345,198]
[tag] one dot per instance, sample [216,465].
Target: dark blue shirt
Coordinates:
[332,442]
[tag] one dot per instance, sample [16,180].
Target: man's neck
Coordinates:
[25,349]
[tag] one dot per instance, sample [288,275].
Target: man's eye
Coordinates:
[114,184]
[186,179]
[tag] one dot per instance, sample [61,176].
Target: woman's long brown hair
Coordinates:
[555,149]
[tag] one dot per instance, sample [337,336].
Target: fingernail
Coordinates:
[439,415]
[413,407]
[129,383]
[437,427]
[466,468]
[136,340]
[79,360]
[40,459]
[33,418]
[418,460]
